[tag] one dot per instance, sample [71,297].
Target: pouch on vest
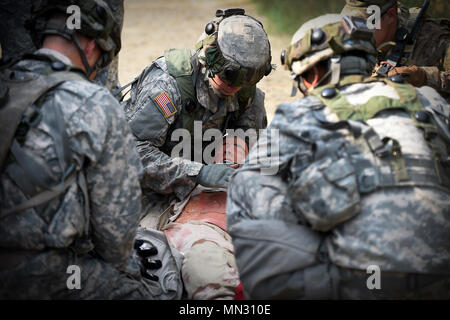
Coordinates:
[326,192]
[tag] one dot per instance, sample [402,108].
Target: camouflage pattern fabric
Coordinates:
[38,245]
[251,59]
[109,75]
[431,51]
[153,127]
[16,41]
[405,230]
[209,269]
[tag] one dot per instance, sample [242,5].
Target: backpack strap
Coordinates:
[409,101]
[33,177]
[180,67]
[21,95]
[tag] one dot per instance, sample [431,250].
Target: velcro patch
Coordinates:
[166,105]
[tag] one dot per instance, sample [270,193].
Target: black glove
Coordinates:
[144,250]
[215,175]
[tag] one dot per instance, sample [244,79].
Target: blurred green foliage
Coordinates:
[286,16]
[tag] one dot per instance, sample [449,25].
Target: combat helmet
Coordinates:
[345,44]
[98,21]
[235,47]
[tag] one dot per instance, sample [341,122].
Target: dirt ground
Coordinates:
[152,26]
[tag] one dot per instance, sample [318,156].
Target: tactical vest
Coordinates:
[19,110]
[362,162]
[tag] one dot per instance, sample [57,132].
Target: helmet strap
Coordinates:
[317,83]
[88,68]
[325,76]
[301,86]
[335,69]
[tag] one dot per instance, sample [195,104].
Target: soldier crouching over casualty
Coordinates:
[213,87]
[411,43]
[360,207]
[70,193]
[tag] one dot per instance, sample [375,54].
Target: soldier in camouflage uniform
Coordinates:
[363,180]
[69,192]
[214,86]
[16,39]
[427,59]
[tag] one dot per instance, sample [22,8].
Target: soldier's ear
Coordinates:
[91,49]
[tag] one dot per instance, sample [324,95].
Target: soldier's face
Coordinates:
[223,87]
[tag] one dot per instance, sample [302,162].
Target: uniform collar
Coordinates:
[54,55]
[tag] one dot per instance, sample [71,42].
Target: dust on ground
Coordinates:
[151,27]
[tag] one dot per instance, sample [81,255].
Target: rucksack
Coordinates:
[19,100]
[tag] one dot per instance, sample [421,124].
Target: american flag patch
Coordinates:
[166,105]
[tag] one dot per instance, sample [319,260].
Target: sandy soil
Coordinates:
[152,26]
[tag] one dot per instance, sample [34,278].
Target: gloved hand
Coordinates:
[144,250]
[215,175]
[414,75]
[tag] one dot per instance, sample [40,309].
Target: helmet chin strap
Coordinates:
[317,82]
[335,68]
[88,68]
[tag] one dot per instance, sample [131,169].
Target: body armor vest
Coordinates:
[361,162]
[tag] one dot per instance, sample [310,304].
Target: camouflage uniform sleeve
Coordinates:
[111,171]
[164,174]
[150,123]
[440,80]
[260,218]
[254,116]
[432,54]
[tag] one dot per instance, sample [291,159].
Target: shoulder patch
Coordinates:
[166,105]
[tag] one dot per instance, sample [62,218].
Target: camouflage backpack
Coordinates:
[20,100]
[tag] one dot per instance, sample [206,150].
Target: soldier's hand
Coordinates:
[412,74]
[215,175]
[145,250]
